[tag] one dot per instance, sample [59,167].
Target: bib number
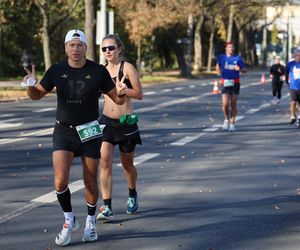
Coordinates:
[228,83]
[89,131]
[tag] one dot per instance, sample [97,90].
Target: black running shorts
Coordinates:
[67,139]
[126,136]
[295,95]
[235,90]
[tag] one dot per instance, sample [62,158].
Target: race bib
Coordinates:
[296,72]
[282,78]
[228,83]
[89,131]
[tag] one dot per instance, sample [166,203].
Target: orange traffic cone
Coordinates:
[263,79]
[216,88]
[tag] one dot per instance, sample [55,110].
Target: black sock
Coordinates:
[132,192]
[64,199]
[91,209]
[107,202]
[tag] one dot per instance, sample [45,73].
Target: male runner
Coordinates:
[277,74]
[293,79]
[229,67]
[78,82]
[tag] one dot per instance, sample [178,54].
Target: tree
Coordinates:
[63,12]
[90,28]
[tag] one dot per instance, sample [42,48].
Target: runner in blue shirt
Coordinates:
[293,79]
[229,67]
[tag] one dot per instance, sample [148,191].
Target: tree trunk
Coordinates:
[138,60]
[211,44]
[198,45]
[90,28]
[230,24]
[184,72]
[45,34]
[189,43]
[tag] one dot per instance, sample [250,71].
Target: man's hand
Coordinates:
[237,67]
[29,80]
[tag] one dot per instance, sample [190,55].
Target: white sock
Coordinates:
[69,218]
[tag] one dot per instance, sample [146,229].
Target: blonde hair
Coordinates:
[117,40]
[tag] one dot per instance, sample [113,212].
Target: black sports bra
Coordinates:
[120,74]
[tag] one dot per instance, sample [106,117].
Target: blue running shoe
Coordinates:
[105,213]
[132,204]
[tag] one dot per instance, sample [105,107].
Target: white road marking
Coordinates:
[39,201]
[192,86]
[150,93]
[47,131]
[166,90]
[142,158]
[6,115]
[24,137]
[11,120]
[44,110]
[179,88]
[252,111]
[10,125]
[11,140]
[51,196]
[212,129]
[186,140]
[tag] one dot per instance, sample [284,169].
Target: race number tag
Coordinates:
[228,83]
[89,131]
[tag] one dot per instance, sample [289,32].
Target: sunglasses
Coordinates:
[110,48]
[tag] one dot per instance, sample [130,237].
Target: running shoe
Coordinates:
[274,100]
[293,120]
[231,127]
[132,204]
[225,125]
[298,123]
[105,213]
[90,232]
[64,237]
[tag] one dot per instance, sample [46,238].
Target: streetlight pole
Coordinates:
[287,35]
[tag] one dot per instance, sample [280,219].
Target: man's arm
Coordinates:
[117,98]
[36,92]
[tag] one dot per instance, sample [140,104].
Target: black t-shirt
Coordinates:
[78,90]
[277,70]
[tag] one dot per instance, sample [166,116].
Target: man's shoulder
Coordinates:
[93,64]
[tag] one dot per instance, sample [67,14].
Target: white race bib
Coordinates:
[89,131]
[228,83]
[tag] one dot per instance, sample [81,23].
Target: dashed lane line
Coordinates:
[51,196]
[24,136]
[190,138]
[142,158]
[44,110]
[187,139]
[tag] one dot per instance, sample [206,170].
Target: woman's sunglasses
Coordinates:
[110,48]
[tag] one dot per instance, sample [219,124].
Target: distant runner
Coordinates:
[277,74]
[293,79]
[229,67]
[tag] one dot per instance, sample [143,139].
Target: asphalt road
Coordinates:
[199,187]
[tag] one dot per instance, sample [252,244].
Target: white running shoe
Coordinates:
[225,125]
[64,237]
[274,100]
[90,231]
[231,127]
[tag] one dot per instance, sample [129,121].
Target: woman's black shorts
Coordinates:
[126,136]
